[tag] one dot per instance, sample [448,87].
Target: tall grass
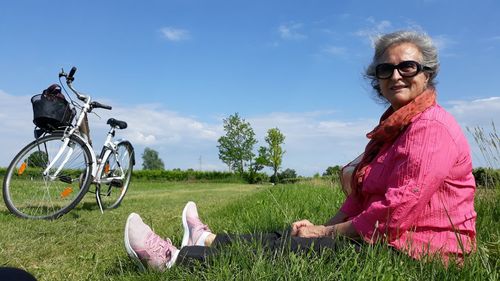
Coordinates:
[488,144]
[85,245]
[275,208]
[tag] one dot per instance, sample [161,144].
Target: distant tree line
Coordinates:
[237,151]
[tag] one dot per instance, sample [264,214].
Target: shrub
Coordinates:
[287,176]
[486,177]
[255,177]
[187,175]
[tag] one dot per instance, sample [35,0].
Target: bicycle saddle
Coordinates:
[117,123]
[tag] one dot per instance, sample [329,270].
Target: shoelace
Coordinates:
[201,226]
[160,247]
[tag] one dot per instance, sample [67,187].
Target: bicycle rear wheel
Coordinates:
[115,176]
[34,191]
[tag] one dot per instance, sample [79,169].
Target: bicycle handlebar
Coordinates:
[69,79]
[71,74]
[95,104]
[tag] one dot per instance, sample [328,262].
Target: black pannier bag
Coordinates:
[51,110]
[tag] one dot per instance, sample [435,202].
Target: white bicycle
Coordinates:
[52,174]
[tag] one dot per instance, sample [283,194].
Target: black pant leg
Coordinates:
[282,240]
[273,242]
[265,239]
[190,255]
[193,254]
[306,245]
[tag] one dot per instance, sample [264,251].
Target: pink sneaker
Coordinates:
[147,248]
[195,231]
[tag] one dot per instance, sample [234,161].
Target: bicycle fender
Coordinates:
[127,142]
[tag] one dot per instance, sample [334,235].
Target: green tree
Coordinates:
[37,159]
[332,171]
[151,160]
[262,160]
[235,148]
[289,175]
[253,175]
[274,152]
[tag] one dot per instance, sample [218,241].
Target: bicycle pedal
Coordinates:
[116,183]
[66,179]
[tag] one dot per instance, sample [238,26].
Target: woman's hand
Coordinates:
[313,231]
[306,229]
[299,224]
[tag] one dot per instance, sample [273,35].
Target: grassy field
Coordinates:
[85,245]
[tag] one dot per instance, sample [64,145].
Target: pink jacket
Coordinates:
[418,193]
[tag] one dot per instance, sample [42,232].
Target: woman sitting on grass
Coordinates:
[412,188]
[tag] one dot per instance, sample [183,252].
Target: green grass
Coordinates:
[85,245]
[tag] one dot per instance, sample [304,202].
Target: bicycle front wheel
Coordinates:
[115,176]
[41,185]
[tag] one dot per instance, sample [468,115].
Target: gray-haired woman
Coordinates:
[412,188]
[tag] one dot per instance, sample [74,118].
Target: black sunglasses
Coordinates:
[407,68]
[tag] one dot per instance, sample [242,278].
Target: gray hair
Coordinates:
[421,40]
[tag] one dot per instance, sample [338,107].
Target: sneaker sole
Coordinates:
[185,237]
[131,253]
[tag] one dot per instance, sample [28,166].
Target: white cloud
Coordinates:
[480,113]
[16,126]
[179,139]
[291,31]
[175,34]
[314,140]
[443,42]
[378,28]
[375,29]
[16,111]
[158,125]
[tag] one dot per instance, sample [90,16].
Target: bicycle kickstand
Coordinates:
[98,198]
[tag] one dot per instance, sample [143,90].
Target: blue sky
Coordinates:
[174,69]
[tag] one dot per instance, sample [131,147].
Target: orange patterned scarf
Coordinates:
[392,124]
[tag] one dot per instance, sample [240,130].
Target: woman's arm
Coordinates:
[338,218]
[308,230]
[345,229]
[334,226]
